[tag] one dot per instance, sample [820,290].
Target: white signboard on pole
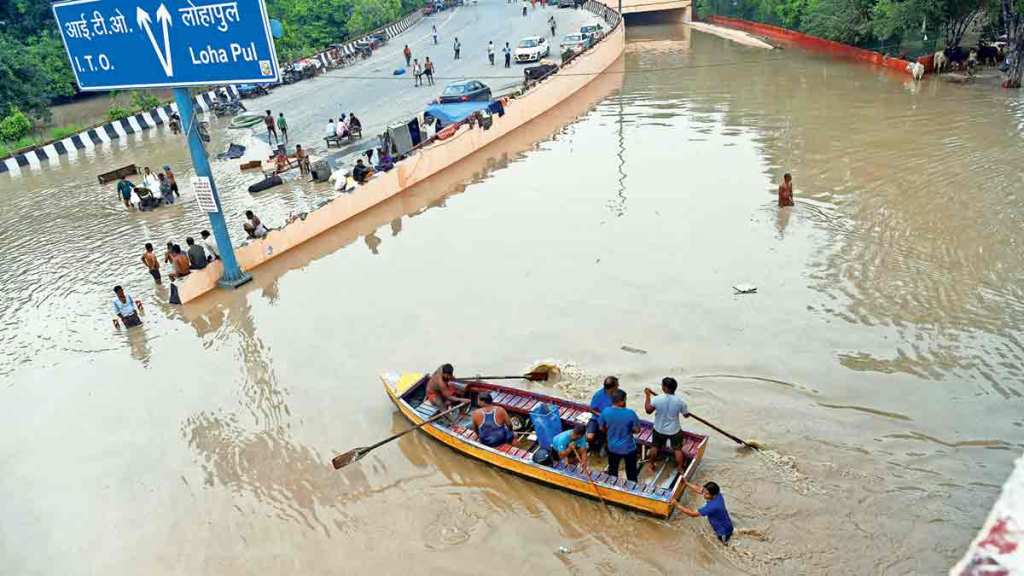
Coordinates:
[204,194]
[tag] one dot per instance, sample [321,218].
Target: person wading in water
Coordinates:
[786,191]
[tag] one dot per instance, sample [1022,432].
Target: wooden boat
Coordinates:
[129,170]
[653,495]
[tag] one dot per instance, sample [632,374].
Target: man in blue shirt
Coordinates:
[599,401]
[714,510]
[667,408]
[619,423]
[572,442]
[126,309]
[602,398]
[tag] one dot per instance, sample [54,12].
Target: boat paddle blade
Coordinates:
[354,455]
[543,373]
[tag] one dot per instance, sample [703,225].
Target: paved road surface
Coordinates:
[378,98]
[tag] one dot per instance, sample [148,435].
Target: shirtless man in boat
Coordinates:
[441,391]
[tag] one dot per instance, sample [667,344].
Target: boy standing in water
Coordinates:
[715,510]
[149,259]
[786,191]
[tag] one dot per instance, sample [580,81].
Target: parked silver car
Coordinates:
[574,42]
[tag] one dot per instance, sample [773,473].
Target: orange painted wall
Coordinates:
[811,42]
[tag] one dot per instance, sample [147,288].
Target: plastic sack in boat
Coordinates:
[546,422]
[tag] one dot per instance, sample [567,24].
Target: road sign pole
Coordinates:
[233,275]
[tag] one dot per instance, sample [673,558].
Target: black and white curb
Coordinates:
[102,135]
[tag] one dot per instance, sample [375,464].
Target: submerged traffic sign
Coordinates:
[115,44]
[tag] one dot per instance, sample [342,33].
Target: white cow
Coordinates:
[916,70]
[939,61]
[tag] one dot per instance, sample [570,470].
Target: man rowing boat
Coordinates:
[440,390]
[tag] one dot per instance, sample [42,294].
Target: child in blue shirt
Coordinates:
[714,510]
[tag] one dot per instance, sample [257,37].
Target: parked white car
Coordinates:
[532,49]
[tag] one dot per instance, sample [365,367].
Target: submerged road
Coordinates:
[369,89]
[880,362]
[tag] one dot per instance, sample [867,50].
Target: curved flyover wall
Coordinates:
[426,161]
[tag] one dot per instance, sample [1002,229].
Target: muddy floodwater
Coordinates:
[880,360]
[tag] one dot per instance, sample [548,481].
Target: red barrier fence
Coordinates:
[812,42]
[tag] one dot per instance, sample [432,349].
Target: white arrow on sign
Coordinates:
[164,17]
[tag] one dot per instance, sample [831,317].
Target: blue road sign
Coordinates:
[115,44]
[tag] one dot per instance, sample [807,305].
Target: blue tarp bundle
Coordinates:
[448,114]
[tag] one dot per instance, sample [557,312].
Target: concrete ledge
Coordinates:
[423,164]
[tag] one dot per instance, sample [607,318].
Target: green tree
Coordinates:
[368,15]
[14,126]
[1013,19]
[847,21]
[33,71]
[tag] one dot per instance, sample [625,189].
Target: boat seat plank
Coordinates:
[663,493]
[631,486]
[603,478]
[503,448]
[529,406]
[426,409]
[520,453]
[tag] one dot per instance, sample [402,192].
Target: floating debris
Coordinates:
[632,350]
[745,288]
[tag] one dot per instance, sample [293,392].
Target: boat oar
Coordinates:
[753,445]
[356,454]
[536,376]
[592,482]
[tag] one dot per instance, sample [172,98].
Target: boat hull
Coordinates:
[660,505]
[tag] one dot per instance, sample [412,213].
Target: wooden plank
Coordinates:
[631,486]
[531,404]
[504,448]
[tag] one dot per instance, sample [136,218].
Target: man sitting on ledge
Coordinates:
[361,172]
